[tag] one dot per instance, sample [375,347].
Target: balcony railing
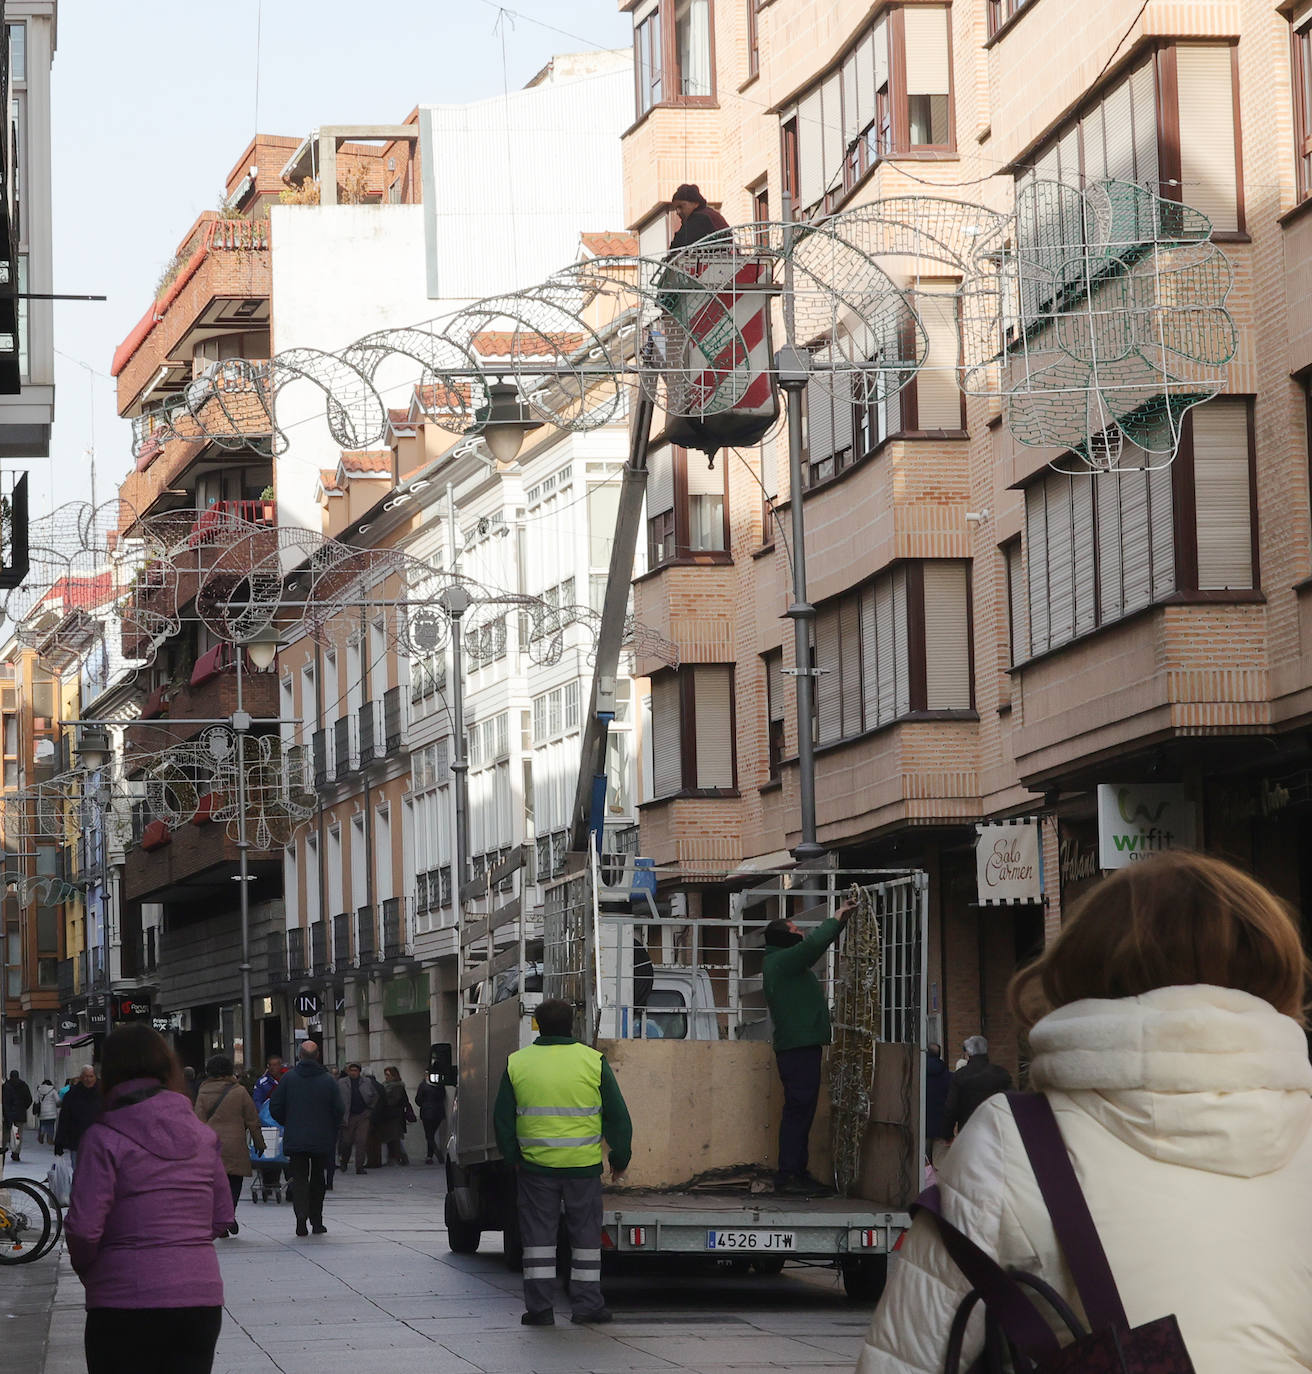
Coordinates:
[319,753]
[226,519]
[96,967]
[395,936]
[365,941]
[367,733]
[342,941]
[393,724]
[277,948]
[66,980]
[319,947]
[342,752]
[549,852]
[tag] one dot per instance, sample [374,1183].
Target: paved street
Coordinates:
[383,1291]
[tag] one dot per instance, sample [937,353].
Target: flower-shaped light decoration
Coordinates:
[1099,316]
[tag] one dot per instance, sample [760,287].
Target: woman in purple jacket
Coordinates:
[149,1198]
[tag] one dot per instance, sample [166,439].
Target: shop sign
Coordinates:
[68,1027]
[405,996]
[1007,868]
[165,1024]
[1137,820]
[97,1015]
[131,1009]
[307,1004]
[1078,861]
[339,1002]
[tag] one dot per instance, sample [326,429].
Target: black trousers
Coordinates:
[431,1128]
[799,1072]
[151,1340]
[309,1183]
[235,1182]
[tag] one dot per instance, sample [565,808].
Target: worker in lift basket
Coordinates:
[800,1012]
[558,1100]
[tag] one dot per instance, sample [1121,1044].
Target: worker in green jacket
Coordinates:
[558,1100]
[800,1012]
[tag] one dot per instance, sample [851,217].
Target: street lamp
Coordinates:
[456,601]
[262,648]
[93,747]
[506,421]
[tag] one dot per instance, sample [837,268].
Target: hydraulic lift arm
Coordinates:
[589,811]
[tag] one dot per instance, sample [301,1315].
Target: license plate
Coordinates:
[751,1240]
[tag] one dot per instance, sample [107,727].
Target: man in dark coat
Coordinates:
[307,1106]
[696,219]
[15,1103]
[79,1110]
[938,1081]
[976,1080]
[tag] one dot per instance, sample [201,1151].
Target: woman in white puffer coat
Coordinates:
[1174,1058]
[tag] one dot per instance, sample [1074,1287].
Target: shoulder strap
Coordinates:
[1001,1294]
[210,1117]
[1069,1212]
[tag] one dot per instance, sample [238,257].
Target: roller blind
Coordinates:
[1061,539]
[1036,559]
[819,422]
[828,685]
[938,397]
[666,736]
[1086,591]
[1222,499]
[865,82]
[810,149]
[711,705]
[849,636]
[947,637]
[832,136]
[769,468]
[1161,521]
[660,482]
[926,30]
[881,54]
[1143,94]
[870,658]
[1207,132]
[1118,131]
[1016,617]
[702,479]
[774,679]
[1136,541]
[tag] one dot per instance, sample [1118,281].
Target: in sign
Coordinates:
[307,1004]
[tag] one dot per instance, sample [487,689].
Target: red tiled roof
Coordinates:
[399,418]
[84,593]
[611,245]
[328,479]
[439,396]
[376,460]
[505,343]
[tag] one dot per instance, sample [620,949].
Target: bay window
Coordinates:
[692,724]
[673,53]
[891,94]
[687,507]
[1300,30]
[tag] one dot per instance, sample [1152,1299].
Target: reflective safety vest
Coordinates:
[557,1104]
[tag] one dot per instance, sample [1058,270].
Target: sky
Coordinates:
[154,101]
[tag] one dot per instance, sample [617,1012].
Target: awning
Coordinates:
[74,1042]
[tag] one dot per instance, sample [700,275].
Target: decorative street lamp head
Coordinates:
[93,747]
[506,421]
[262,648]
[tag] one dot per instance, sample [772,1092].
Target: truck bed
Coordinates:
[739,1202]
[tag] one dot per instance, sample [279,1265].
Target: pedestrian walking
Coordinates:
[975,1082]
[800,1012]
[47,1112]
[558,1100]
[1165,1024]
[189,1083]
[938,1082]
[358,1095]
[307,1106]
[430,1099]
[227,1109]
[149,1197]
[79,1109]
[391,1115]
[268,1080]
[15,1103]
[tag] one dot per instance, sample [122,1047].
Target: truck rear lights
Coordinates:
[637,1236]
[870,1238]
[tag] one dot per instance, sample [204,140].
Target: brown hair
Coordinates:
[1172,920]
[138,1051]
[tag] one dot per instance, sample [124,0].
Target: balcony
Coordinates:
[319,962]
[393,721]
[344,751]
[396,928]
[370,734]
[365,937]
[297,965]
[277,956]
[195,864]
[219,522]
[342,941]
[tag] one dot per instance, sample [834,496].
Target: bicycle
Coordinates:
[31,1220]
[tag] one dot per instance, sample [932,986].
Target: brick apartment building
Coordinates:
[995,639]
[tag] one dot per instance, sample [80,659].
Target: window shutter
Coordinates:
[849,634]
[870,659]
[1095,145]
[886,643]
[1118,127]
[1222,499]
[769,468]
[1036,556]
[828,685]
[865,82]
[810,150]
[947,637]
[819,422]
[1108,490]
[901,660]
[1143,93]
[774,671]
[1136,541]
[704,480]
[1207,132]
[938,396]
[842,412]
[881,55]
[1082,522]
[666,736]
[1068,157]
[1016,603]
[926,31]
[714,727]
[660,482]
[832,135]
[1161,509]
[1061,559]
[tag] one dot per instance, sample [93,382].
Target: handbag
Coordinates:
[1017,1336]
[59,1179]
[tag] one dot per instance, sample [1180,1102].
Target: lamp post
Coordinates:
[457,600]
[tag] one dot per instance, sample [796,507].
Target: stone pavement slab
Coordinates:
[382,1292]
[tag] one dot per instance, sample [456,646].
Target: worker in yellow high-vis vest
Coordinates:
[558,1101]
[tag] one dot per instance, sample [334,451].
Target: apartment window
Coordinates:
[693,731]
[890,94]
[1301,35]
[775,708]
[1099,548]
[673,53]
[1013,567]
[1002,12]
[17,52]
[753,40]
[761,212]
[687,507]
